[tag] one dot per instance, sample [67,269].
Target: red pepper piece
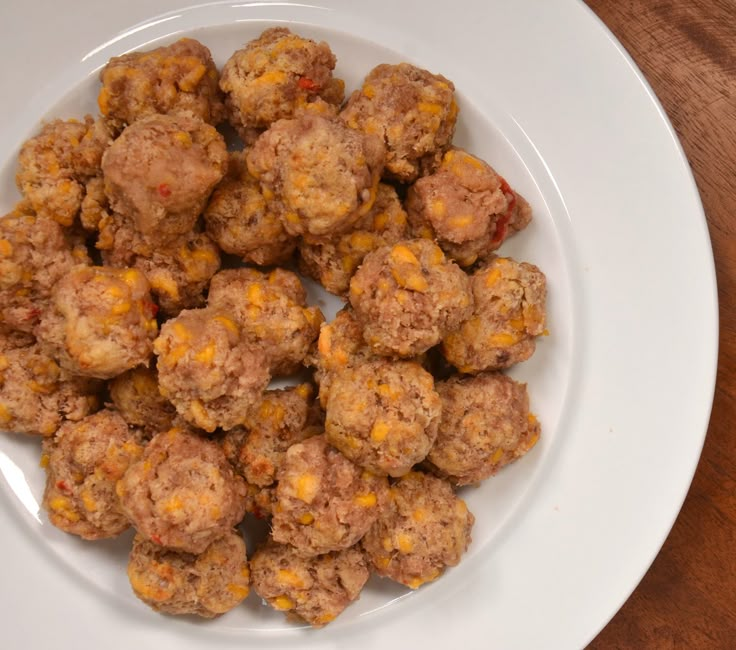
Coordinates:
[305,83]
[63,486]
[157,539]
[164,190]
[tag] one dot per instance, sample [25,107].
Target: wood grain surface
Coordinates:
[687,51]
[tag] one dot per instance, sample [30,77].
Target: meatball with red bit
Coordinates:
[182,493]
[509,313]
[320,175]
[136,396]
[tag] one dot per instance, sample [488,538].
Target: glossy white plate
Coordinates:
[623,385]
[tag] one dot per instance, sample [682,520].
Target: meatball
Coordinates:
[311,589]
[208,370]
[182,493]
[412,110]
[320,175]
[466,207]
[101,321]
[485,425]
[424,529]
[175,582]
[161,171]
[509,312]
[176,78]
[241,222]
[271,308]
[324,502]
[273,76]
[283,418]
[83,463]
[408,297]
[35,253]
[333,261]
[383,415]
[136,396]
[55,167]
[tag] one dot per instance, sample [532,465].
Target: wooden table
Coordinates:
[687,51]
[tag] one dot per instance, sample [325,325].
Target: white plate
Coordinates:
[623,385]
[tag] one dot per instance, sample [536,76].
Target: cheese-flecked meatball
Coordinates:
[333,261]
[83,463]
[208,370]
[182,493]
[283,418]
[137,398]
[485,424]
[273,76]
[466,207]
[175,582]
[272,311]
[55,166]
[176,78]
[509,313]
[161,171]
[424,528]
[101,321]
[324,502]
[311,589]
[408,297]
[320,175]
[383,415]
[239,219]
[412,110]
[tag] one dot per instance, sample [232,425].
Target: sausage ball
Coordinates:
[272,311]
[408,297]
[424,529]
[412,110]
[383,415]
[136,397]
[509,313]
[175,582]
[273,76]
[324,502]
[161,171]
[240,220]
[55,166]
[312,589]
[208,370]
[83,463]
[333,261]
[101,321]
[485,424]
[466,207]
[320,175]
[176,78]
[182,493]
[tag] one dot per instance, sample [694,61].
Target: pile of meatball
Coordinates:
[150,283]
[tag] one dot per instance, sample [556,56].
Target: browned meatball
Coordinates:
[55,166]
[466,207]
[320,175]
[182,493]
[408,296]
[208,370]
[241,222]
[324,502]
[509,313]
[274,75]
[485,424]
[83,462]
[312,589]
[412,110]
[271,308]
[136,396]
[424,529]
[161,171]
[333,261]
[101,321]
[35,253]
[176,78]
[175,582]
